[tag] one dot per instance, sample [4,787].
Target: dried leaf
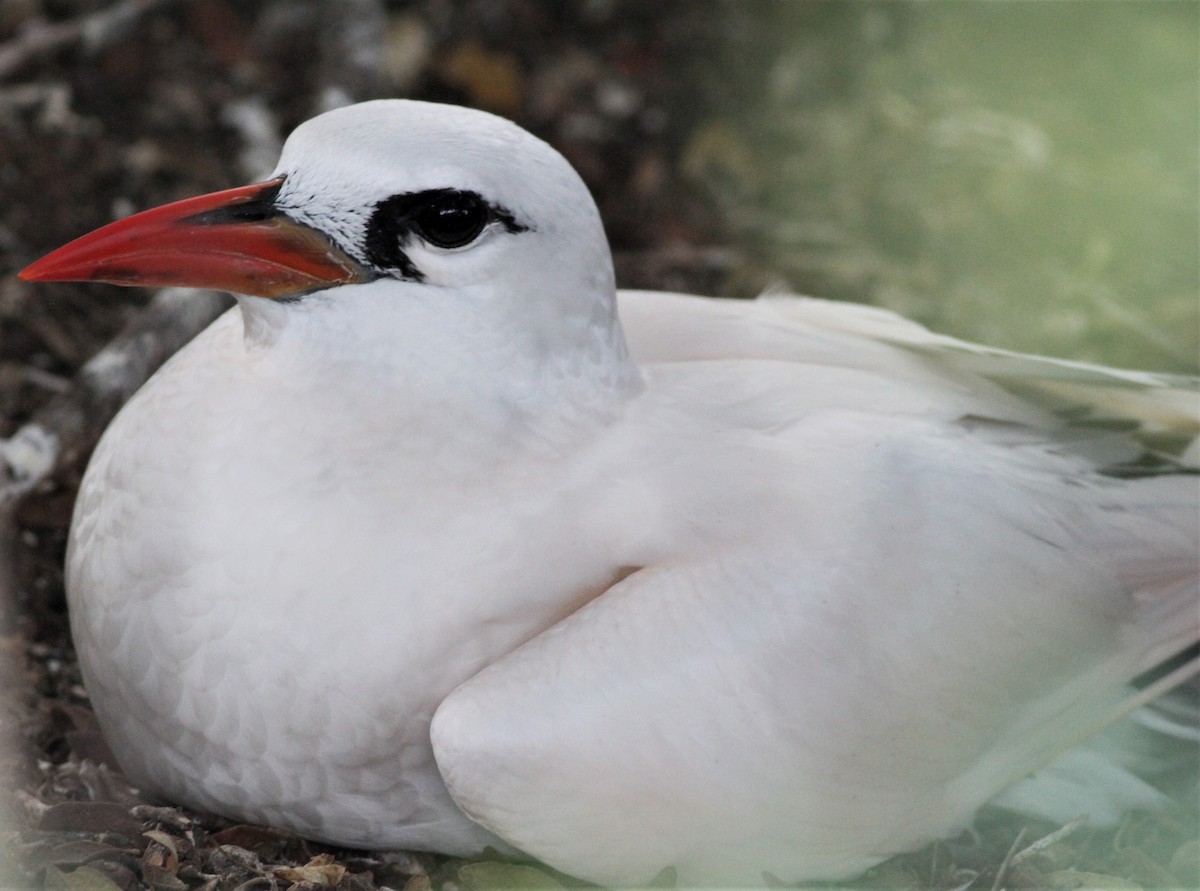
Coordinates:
[267,843]
[227,856]
[167,841]
[321,870]
[160,863]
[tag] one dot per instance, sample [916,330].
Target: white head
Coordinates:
[479,219]
[426,240]
[374,175]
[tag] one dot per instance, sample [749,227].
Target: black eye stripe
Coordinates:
[396,220]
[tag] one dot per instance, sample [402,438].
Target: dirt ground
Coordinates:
[104,115]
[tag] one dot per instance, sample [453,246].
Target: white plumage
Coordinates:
[786,587]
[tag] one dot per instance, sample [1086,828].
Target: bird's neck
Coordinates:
[474,374]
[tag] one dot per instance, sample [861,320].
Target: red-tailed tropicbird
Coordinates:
[420,546]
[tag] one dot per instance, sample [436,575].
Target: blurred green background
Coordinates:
[1023,174]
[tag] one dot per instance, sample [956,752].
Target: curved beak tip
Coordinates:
[38,271]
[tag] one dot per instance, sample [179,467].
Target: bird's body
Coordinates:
[444,556]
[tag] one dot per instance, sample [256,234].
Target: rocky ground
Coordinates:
[106,107]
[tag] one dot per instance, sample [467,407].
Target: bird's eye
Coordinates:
[452,219]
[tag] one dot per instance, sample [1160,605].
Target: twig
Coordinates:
[1047,840]
[70,423]
[94,31]
[1004,865]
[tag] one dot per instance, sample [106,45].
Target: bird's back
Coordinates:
[905,571]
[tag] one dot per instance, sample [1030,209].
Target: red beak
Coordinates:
[234,240]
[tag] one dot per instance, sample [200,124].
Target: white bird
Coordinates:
[426,545]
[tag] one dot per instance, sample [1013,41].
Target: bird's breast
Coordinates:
[270,597]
